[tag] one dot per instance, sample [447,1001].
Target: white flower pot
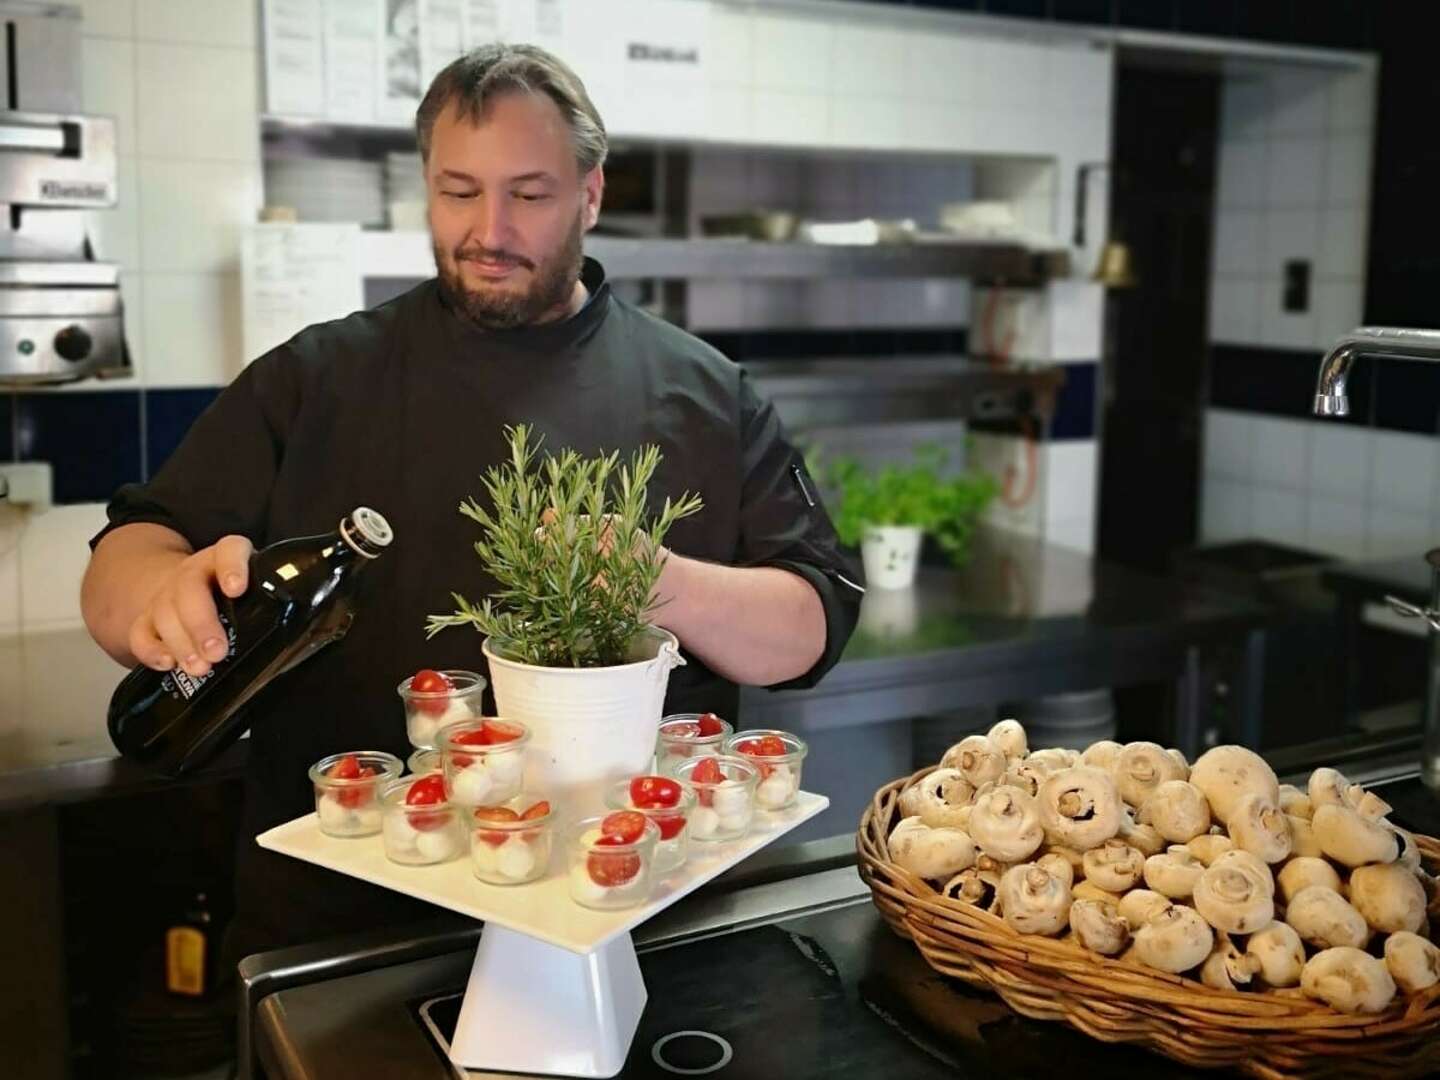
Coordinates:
[891,554]
[588,726]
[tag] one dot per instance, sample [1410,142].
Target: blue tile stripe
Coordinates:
[1075,416]
[96,440]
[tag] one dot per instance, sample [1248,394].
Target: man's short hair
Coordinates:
[475,79]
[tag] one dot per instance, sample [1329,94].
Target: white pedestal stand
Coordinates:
[555,988]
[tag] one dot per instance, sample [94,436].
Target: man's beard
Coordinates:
[551,286]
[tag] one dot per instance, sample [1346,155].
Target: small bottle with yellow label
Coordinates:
[189,950]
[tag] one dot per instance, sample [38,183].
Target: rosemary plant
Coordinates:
[576,560]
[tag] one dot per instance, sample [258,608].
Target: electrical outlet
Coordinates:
[1297,286]
[27,483]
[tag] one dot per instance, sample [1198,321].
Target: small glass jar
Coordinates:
[483,773]
[679,739]
[351,807]
[423,761]
[779,773]
[673,845]
[421,834]
[609,877]
[512,852]
[723,807]
[427,713]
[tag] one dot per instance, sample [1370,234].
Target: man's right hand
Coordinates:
[180,626]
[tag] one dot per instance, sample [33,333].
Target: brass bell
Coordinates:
[1114,269]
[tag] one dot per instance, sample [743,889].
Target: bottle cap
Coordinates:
[371,528]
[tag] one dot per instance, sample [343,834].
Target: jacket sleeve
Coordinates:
[783,523]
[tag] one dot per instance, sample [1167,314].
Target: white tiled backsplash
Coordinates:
[1340,490]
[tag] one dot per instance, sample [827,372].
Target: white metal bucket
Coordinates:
[891,554]
[589,726]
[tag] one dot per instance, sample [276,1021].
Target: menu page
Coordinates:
[294,60]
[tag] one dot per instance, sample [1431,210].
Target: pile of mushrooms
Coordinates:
[1215,870]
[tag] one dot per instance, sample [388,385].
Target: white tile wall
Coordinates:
[203,347]
[108,18]
[198,102]
[191,213]
[197,22]
[1342,490]
[53,551]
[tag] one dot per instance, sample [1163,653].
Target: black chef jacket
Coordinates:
[401,408]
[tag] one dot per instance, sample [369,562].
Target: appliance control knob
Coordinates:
[73,343]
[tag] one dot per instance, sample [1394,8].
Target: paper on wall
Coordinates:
[399,73]
[294,275]
[442,36]
[352,51]
[294,58]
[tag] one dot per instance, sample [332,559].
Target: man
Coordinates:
[401,408]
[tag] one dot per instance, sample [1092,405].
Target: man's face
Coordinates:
[507,210]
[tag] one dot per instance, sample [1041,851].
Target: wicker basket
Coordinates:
[1265,1035]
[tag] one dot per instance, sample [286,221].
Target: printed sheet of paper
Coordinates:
[293,275]
[294,58]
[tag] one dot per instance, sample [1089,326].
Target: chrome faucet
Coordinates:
[1331,400]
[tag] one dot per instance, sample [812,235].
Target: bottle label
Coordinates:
[189,685]
[185,961]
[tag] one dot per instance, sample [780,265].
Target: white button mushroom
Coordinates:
[1173,873]
[1227,968]
[1054,758]
[975,887]
[1114,866]
[1414,963]
[1235,897]
[1174,939]
[1140,768]
[1302,837]
[1209,847]
[1349,980]
[1178,810]
[1304,871]
[1034,901]
[1101,755]
[1009,736]
[1259,826]
[1145,839]
[1390,897]
[1324,919]
[1138,906]
[1226,774]
[1353,840]
[1088,890]
[1058,865]
[977,758]
[1025,776]
[1099,927]
[1409,850]
[1079,807]
[1295,802]
[1278,954]
[1327,787]
[1006,825]
[936,854]
[942,799]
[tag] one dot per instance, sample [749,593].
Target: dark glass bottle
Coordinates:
[300,598]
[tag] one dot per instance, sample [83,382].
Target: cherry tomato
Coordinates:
[623,827]
[427,791]
[353,795]
[706,772]
[710,724]
[347,768]
[500,731]
[494,813]
[426,681]
[654,792]
[669,825]
[539,810]
[609,869]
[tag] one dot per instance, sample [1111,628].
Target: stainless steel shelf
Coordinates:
[407,255]
[731,259]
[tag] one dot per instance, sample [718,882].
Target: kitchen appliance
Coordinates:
[60,308]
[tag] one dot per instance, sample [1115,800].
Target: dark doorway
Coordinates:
[1161,204]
